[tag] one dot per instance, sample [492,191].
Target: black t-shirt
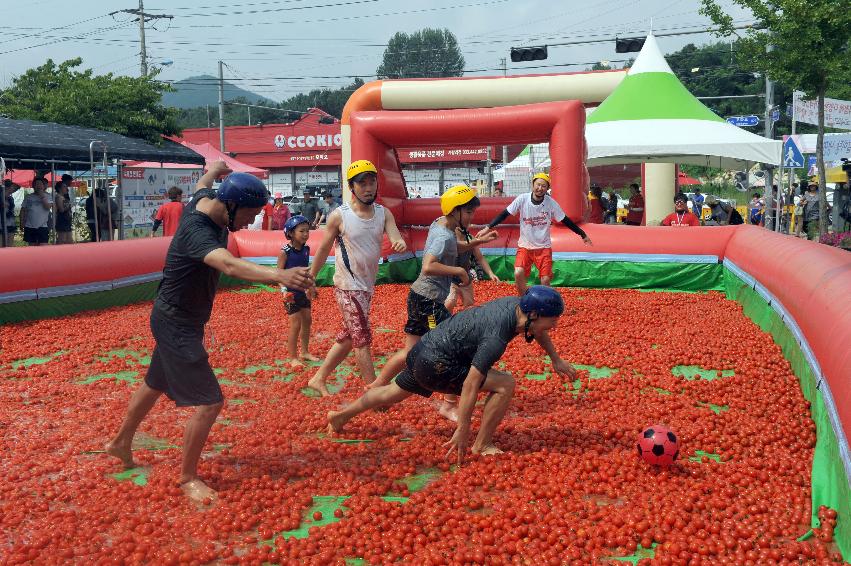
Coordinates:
[474,337]
[189,285]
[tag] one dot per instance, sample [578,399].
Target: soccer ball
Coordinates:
[658,445]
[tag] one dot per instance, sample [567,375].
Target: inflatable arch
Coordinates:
[374,136]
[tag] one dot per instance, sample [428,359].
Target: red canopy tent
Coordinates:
[210,154]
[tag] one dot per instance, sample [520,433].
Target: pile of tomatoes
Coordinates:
[570,488]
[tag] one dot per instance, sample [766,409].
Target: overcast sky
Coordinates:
[280,48]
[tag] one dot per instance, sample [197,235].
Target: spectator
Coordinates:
[697,201]
[681,216]
[9,188]
[612,208]
[310,210]
[811,212]
[267,212]
[169,214]
[35,214]
[635,212]
[280,212]
[598,205]
[756,210]
[331,205]
[497,191]
[722,213]
[63,213]
[107,215]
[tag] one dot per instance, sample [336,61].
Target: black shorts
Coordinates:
[36,235]
[423,375]
[294,302]
[179,366]
[424,314]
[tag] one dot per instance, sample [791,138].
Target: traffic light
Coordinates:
[537,53]
[628,44]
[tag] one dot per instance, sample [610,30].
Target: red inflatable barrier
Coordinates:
[57,266]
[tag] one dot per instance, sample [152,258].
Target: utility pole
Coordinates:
[208,115]
[221,107]
[143,17]
[770,197]
[504,66]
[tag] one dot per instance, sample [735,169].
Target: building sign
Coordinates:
[302,142]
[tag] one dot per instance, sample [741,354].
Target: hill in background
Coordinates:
[193,92]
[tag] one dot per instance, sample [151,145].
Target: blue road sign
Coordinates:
[775,116]
[743,120]
[792,156]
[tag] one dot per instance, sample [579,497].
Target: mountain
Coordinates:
[193,92]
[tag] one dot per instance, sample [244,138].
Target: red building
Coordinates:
[307,153]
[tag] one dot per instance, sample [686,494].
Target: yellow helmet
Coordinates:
[543,176]
[456,196]
[358,167]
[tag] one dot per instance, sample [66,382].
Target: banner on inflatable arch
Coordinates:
[144,191]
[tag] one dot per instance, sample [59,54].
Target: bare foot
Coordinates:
[123,453]
[318,384]
[294,362]
[308,357]
[199,492]
[335,423]
[489,450]
[448,411]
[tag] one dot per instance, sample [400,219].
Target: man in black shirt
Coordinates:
[457,358]
[179,366]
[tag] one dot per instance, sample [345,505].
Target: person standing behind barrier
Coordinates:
[811,212]
[697,201]
[357,229]
[35,214]
[309,209]
[280,212]
[612,208]
[635,210]
[330,206]
[681,217]
[169,214]
[756,210]
[598,205]
[9,188]
[536,211]
[196,257]
[63,214]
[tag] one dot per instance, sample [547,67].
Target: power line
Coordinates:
[290,9]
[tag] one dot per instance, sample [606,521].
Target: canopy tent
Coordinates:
[651,117]
[25,144]
[210,154]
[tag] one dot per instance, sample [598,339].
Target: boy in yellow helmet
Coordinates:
[428,293]
[536,211]
[357,228]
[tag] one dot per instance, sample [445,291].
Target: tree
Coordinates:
[426,53]
[130,106]
[810,43]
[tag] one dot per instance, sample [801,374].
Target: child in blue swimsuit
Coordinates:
[296,253]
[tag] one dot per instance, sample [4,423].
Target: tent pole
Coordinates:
[5,235]
[52,229]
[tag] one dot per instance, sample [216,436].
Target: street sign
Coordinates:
[775,116]
[743,121]
[792,156]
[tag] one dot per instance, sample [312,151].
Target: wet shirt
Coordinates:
[442,243]
[474,337]
[189,285]
[535,220]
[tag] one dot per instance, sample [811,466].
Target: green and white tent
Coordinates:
[651,117]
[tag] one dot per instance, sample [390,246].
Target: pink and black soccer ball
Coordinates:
[658,445]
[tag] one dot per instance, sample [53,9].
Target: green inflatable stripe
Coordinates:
[829,482]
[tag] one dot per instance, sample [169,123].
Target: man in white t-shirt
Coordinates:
[537,211]
[35,214]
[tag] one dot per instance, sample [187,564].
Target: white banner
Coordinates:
[837,113]
[144,190]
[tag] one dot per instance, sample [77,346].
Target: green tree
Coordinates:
[426,53]
[810,52]
[130,106]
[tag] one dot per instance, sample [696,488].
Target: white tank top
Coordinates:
[358,249]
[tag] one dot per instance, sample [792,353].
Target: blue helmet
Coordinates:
[243,190]
[294,221]
[543,300]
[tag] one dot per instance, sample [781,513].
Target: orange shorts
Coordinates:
[542,259]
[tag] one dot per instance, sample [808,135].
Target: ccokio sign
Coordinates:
[308,142]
